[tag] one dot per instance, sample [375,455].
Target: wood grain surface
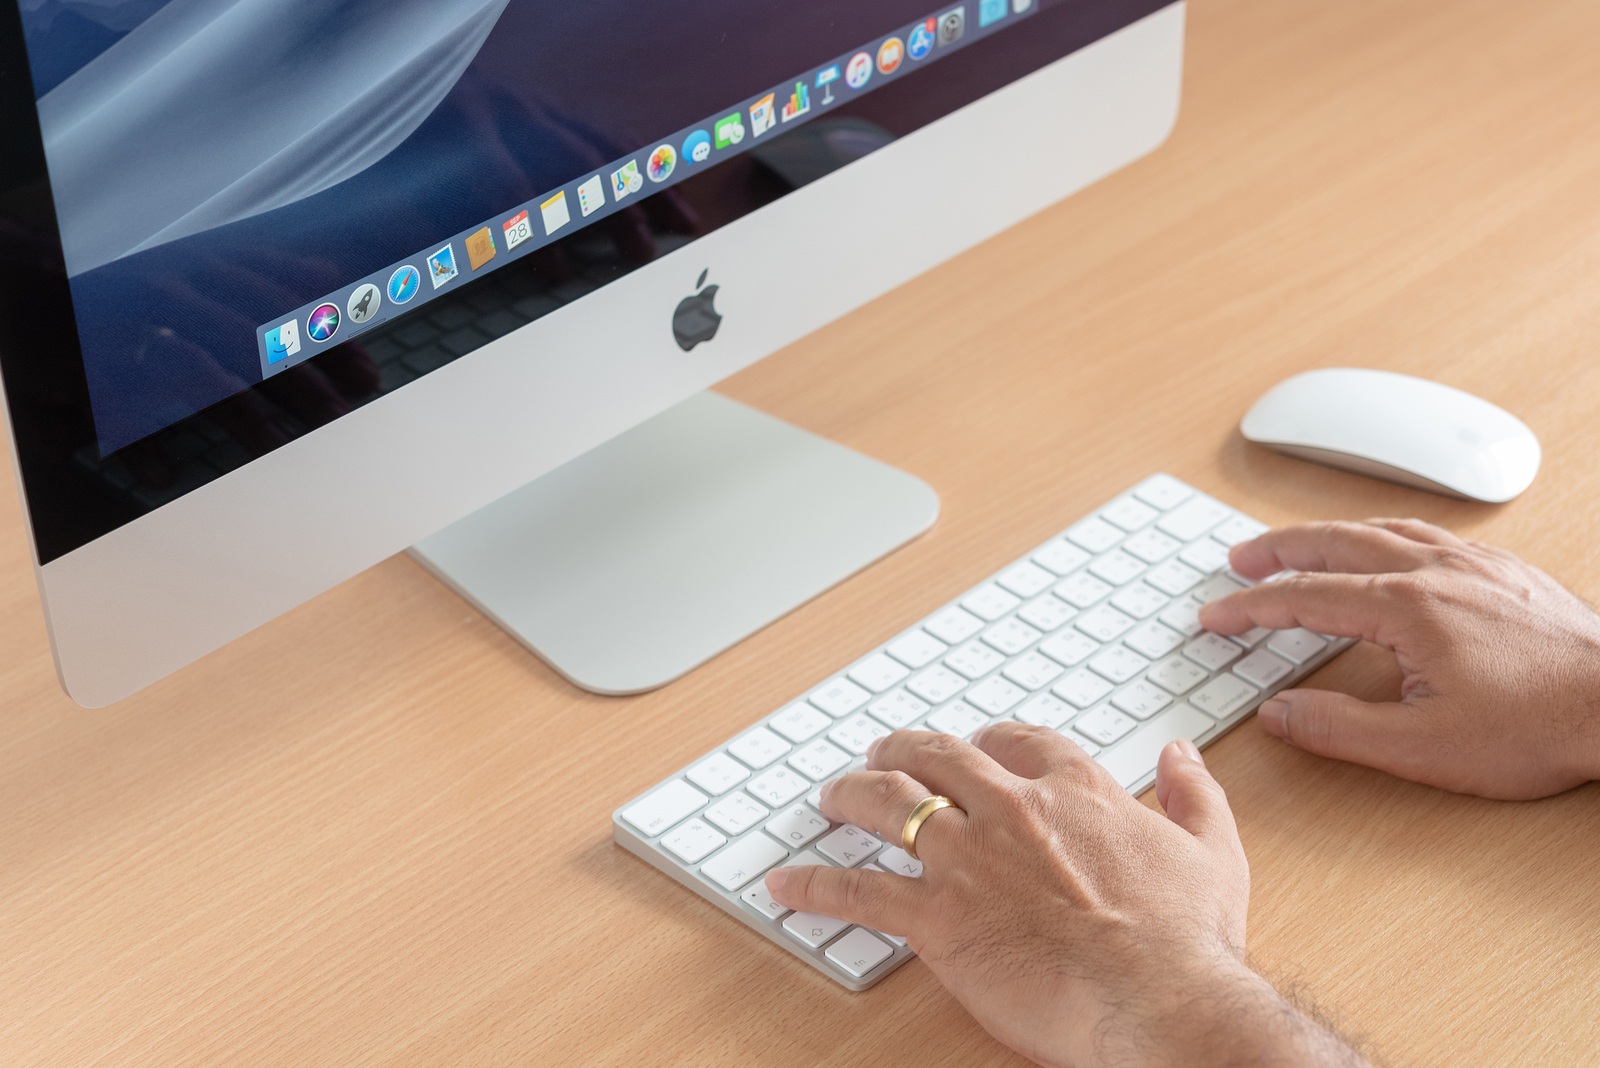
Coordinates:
[376,831]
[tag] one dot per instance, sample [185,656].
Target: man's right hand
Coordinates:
[1502,665]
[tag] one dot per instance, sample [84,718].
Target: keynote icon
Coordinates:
[825,82]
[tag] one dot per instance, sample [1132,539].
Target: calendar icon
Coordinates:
[518,230]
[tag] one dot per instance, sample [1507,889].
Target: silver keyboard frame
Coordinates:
[650,850]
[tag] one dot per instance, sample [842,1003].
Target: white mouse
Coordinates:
[1403,429]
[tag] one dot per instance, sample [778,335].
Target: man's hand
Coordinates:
[1502,665]
[1078,926]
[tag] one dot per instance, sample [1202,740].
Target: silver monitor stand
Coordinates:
[637,562]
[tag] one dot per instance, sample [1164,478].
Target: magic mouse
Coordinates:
[1396,427]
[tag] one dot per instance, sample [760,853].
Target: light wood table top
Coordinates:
[377,831]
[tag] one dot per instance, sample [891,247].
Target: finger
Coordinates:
[881,802]
[1384,736]
[1351,606]
[884,902]
[943,763]
[1193,799]
[1351,548]
[1418,531]
[1027,751]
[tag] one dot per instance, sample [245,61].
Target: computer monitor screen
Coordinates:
[288,287]
[273,211]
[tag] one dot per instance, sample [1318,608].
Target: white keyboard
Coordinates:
[1095,634]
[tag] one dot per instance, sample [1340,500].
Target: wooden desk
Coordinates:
[376,832]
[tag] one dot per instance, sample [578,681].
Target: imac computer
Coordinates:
[290,287]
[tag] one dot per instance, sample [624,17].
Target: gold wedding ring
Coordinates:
[919,815]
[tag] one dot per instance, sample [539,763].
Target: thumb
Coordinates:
[1382,736]
[1192,798]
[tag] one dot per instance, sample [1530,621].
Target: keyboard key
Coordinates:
[1103,623]
[664,806]
[800,723]
[1139,601]
[1238,529]
[1183,617]
[857,733]
[897,861]
[1104,725]
[1163,492]
[1047,613]
[1252,638]
[717,774]
[1141,699]
[778,787]
[1079,740]
[1129,514]
[953,625]
[1081,590]
[1215,589]
[1069,648]
[1151,546]
[741,862]
[842,697]
[1011,636]
[1223,696]
[819,760]
[1095,535]
[1177,676]
[759,748]
[1045,710]
[1118,663]
[898,710]
[989,602]
[692,841]
[1153,639]
[1061,557]
[917,649]
[995,696]
[735,814]
[1207,557]
[974,660]
[1193,518]
[959,719]
[859,952]
[1033,671]
[1298,646]
[848,846]
[1026,579]
[1263,669]
[1082,688]
[1117,567]
[1212,652]
[797,826]
[1174,578]
[811,929]
[1137,757]
[758,898]
[876,673]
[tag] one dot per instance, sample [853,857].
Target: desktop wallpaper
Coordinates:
[216,162]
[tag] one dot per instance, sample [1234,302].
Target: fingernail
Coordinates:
[1190,750]
[1274,716]
[776,879]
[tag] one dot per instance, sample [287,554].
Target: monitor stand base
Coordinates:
[641,560]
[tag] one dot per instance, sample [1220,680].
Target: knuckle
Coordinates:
[888,790]
[861,896]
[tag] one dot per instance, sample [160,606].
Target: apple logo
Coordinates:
[696,319]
